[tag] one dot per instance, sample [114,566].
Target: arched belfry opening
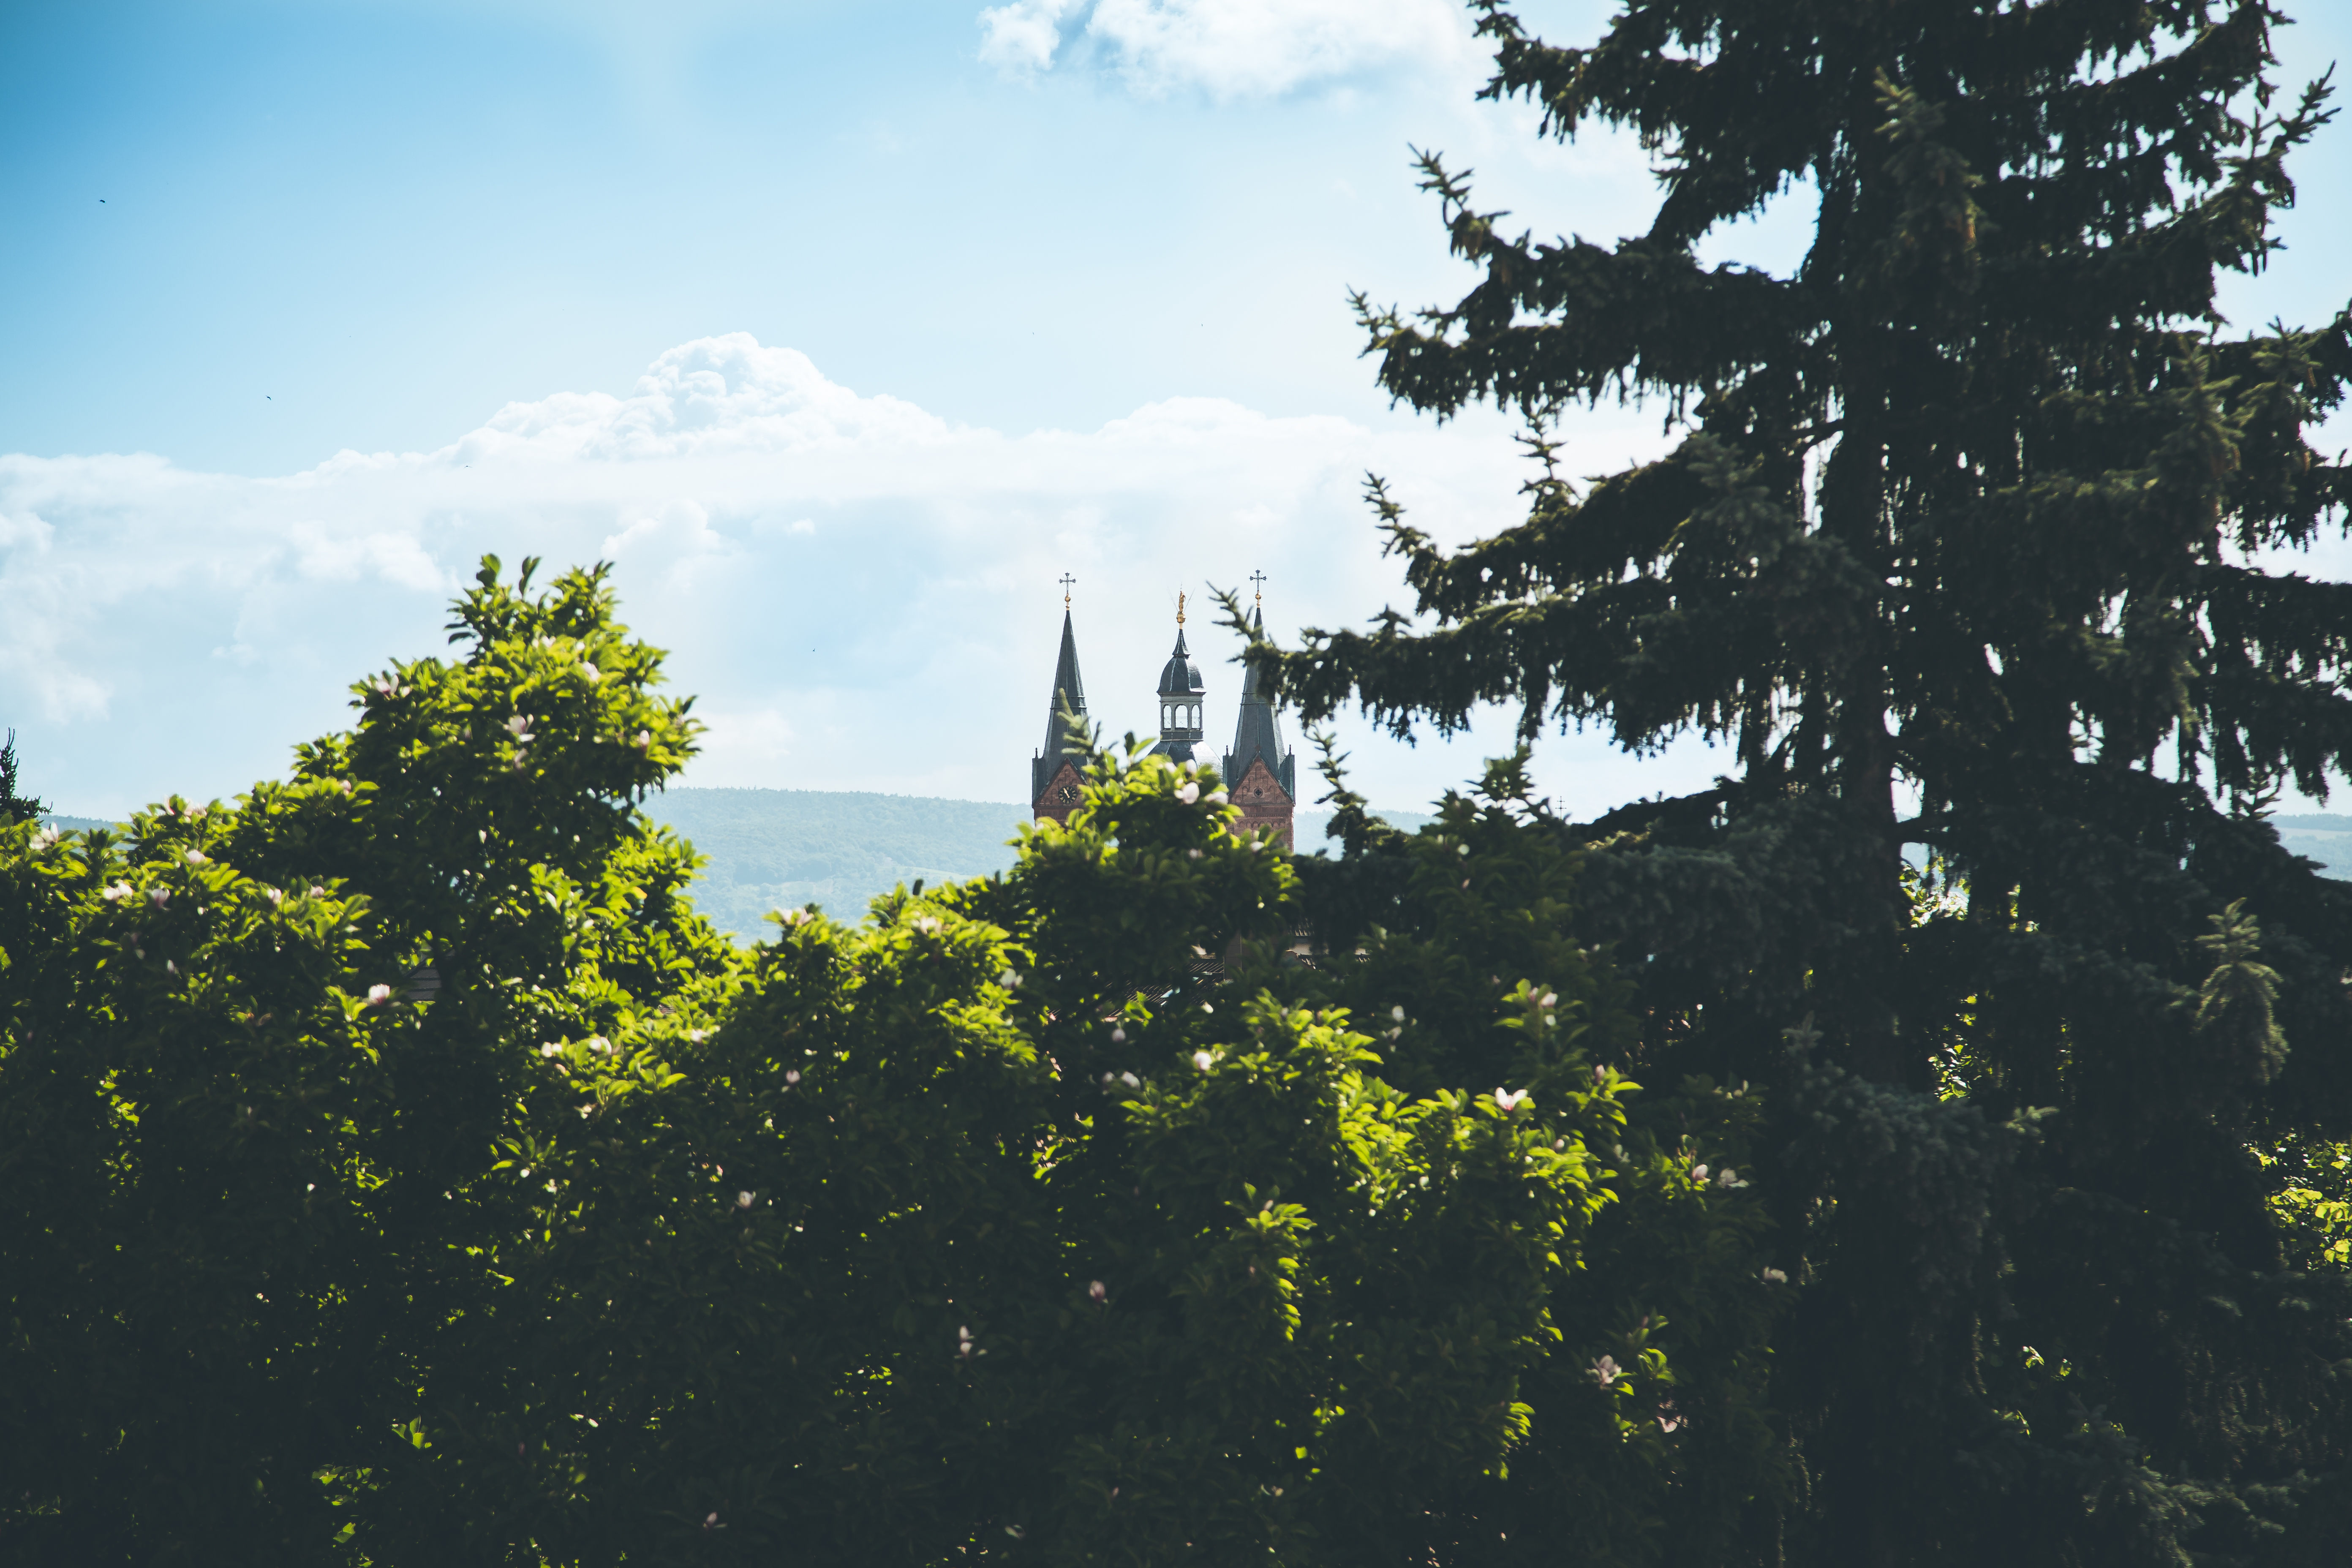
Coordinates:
[1181,692]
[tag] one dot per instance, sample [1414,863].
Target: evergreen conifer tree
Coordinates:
[1967,543]
[13,807]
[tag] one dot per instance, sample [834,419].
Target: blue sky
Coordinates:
[844,330]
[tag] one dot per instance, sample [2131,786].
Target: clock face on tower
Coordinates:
[1069,792]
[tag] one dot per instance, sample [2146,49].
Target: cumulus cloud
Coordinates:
[329,557]
[1021,38]
[862,593]
[1228,48]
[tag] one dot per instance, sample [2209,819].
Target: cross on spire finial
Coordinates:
[1258,578]
[1066,581]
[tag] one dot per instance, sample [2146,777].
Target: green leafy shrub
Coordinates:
[400,1172]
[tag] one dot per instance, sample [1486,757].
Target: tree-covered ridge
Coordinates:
[81,823]
[2324,839]
[769,849]
[766,850]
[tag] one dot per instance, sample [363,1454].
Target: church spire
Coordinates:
[1181,690]
[1261,770]
[1055,775]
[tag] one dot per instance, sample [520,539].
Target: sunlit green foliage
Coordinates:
[253,1240]
[399,1172]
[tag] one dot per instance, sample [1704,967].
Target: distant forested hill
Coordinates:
[781,848]
[81,823]
[2326,839]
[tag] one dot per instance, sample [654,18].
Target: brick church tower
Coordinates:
[1261,770]
[1056,773]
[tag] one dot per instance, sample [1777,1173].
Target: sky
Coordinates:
[844,330]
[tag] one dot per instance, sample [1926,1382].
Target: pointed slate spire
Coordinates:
[1268,795]
[1060,751]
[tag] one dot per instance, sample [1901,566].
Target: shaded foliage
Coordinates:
[1966,512]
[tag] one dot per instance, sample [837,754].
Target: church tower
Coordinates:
[1057,773]
[1261,771]
[1180,690]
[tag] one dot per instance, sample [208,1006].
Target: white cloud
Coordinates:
[1020,38]
[395,557]
[1230,49]
[681,528]
[863,594]
[28,531]
[745,748]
